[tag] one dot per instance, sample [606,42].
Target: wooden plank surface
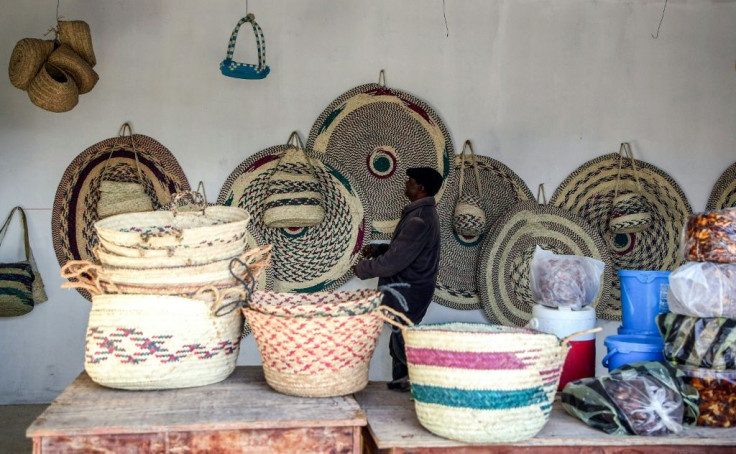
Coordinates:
[242,401]
[392,423]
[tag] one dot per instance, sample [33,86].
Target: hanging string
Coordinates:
[445,15]
[57,10]
[660,20]
[247,10]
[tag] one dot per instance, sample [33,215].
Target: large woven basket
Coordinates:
[318,355]
[483,383]
[165,233]
[160,342]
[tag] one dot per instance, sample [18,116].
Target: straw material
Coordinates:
[28,56]
[120,198]
[142,342]
[70,62]
[355,302]
[457,285]
[54,90]
[377,133]
[483,383]
[723,194]
[589,191]
[307,259]
[469,219]
[77,35]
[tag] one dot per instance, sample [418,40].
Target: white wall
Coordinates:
[541,85]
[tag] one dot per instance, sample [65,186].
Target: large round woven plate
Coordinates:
[723,194]
[589,191]
[75,204]
[308,259]
[376,133]
[502,189]
[507,251]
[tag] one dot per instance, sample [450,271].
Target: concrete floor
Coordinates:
[14,420]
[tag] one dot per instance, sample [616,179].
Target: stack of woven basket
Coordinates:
[165,297]
[55,73]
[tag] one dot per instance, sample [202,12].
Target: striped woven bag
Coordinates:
[630,211]
[469,219]
[294,194]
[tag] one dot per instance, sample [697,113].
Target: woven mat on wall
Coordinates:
[307,259]
[75,205]
[589,191]
[502,189]
[507,251]
[723,194]
[376,133]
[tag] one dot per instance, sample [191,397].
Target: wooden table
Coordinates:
[393,427]
[240,414]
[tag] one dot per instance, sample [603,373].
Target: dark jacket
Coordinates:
[412,257]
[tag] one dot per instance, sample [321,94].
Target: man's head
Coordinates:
[422,182]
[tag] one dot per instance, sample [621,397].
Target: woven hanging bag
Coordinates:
[77,67]
[77,35]
[294,193]
[630,212]
[118,197]
[469,219]
[53,89]
[29,54]
[238,70]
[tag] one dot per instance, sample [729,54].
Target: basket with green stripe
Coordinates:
[481,383]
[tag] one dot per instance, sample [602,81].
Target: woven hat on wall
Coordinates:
[75,205]
[507,251]
[376,133]
[53,89]
[588,192]
[77,35]
[502,189]
[723,194]
[28,56]
[77,67]
[307,259]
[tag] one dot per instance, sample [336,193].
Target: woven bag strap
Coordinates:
[394,318]
[623,153]
[541,196]
[473,163]
[26,239]
[121,134]
[260,40]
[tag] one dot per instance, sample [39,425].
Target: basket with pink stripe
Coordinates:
[483,383]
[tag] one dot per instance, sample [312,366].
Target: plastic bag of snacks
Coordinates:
[698,342]
[717,395]
[645,398]
[564,280]
[710,237]
[703,289]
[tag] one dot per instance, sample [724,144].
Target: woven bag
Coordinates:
[29,54]
[71,63]
[318,355]
[482,383]
[142,342]
[232,68]
[77,35]
[630,212]
[118,197]
[53,89]
[294,193]
[469,219]
[21,286]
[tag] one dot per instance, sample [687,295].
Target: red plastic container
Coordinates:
[580,362]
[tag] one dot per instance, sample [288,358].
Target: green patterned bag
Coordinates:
[707,343]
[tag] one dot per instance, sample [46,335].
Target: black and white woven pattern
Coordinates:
[723,194]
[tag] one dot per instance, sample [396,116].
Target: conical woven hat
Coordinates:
[70,62]
[77,35]
[27,58]
[53,89]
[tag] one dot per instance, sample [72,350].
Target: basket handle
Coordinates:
[125,128]
[85,274]
[623,153]
[260,40]
[473,163]
[567,340]
[198,198]
[390,316]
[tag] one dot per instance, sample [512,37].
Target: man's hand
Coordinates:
[367,251]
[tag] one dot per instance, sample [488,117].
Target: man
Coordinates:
[412,258]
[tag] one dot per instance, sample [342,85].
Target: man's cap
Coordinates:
[427,177]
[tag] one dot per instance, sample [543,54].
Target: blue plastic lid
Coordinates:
[637,332]
[627,343]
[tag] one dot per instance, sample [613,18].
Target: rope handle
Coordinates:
[295,142]
[198,198]
[219,295]
[121,134]
[26,238]
[83,275]
[382,78]
[260,40]
[249,274]
[625,152]
[473,162]
[541,196]
[389,315]
[566,340]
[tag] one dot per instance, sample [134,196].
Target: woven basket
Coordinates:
[316,356]
[630,211]
[28,56]
[140,234]
[70,62]
[110,259]
[54,90]
[468,218]
[77,35]
[160,342]
[356,302]
[483,383]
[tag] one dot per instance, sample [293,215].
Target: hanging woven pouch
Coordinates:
[238,70]
[77,35]
[469,219]
[53,89]
[630,211]
[71,63]
[28,56]
[294,193]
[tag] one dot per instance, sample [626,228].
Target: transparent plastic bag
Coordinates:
[703,289]
[709,343]
[710,236]
[564,280]
[646,398]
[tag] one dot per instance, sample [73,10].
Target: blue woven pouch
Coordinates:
[238,70]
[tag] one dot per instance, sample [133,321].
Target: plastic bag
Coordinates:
[703,289]
[645,398]
[717,395]
[709,343]
[564,280]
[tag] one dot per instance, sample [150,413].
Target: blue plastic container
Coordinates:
[643,297]
[625,349]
